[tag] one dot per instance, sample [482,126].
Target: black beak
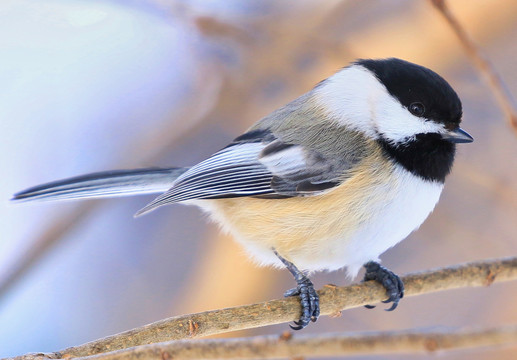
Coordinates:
[457,136]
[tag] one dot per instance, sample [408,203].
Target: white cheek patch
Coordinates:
[355,98]
[345,96]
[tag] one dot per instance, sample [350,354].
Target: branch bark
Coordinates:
[333,300]
[337,344]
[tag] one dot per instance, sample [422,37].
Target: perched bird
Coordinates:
[331,180]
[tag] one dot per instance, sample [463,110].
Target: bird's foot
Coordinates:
[309,298]
[391,282]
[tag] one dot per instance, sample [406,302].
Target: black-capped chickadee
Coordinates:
[331,180]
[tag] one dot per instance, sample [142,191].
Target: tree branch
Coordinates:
[333,300]
[485,68]
[337,344]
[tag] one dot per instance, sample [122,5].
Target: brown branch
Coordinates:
[337,344]
[333,300]
[485,68]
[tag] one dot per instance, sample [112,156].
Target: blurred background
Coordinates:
[98,85]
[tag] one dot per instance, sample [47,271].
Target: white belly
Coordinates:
[320,233]
[414,199]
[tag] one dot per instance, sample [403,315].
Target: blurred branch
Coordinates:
[147,150]
[333,300]
[56,230]
[337,344]
[485,68]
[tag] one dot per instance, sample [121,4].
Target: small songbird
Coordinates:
[331,180]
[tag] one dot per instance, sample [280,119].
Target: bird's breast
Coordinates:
[375,208]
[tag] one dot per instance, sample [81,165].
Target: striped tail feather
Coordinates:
[104,184]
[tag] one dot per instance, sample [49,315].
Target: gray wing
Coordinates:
[256,164]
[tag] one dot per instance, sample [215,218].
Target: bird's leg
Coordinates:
[391,282]
[309,299]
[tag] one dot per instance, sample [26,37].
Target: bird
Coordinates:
[331,180]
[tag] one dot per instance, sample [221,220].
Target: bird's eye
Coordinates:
[417,108]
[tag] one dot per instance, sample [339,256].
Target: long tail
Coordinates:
[104,184]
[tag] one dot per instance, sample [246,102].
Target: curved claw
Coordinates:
[391,282]
[296,328]
[393,297]
[393,306]
[369,306]
[300,324]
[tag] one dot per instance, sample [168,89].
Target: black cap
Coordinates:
[414,85]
